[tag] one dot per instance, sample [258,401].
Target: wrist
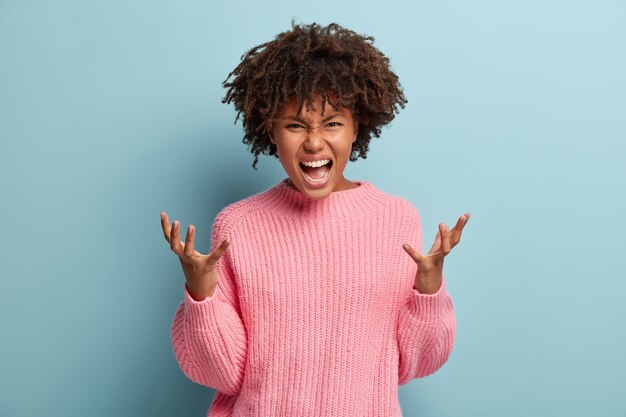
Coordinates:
[199,294]
[427,286]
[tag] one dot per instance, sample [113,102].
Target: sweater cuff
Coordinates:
[429,307]
[201,315]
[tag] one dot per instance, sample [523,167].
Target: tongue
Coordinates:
[316,173]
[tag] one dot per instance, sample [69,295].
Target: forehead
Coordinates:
[290,109]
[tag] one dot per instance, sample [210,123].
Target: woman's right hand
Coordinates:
[199,269]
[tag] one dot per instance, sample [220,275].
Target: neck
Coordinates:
[353,203]
[343,185]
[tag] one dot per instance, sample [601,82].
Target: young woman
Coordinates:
[309,302]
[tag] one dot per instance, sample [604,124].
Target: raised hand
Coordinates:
[430,266]
[199,269]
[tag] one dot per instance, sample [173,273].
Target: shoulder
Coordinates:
[400,205]
[234,213]
[408,207]
[410,215]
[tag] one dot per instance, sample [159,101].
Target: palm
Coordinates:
[199,269]
[430,266]
[197,262]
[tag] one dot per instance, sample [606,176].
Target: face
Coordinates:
[312,137]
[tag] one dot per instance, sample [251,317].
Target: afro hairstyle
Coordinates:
[331,61]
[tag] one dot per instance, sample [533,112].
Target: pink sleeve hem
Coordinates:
[191,300]
[435,294]
[201,315]
[429,307]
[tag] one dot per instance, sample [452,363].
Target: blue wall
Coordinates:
[110,111]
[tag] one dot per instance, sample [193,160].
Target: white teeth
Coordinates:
[316,164]
[314,181]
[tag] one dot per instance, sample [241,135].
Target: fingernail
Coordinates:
[405,246]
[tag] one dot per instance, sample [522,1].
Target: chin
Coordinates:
[310,190]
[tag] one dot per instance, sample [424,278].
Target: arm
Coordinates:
[426,324]
[426,333]
[208,337]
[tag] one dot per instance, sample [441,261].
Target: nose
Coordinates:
[314,139]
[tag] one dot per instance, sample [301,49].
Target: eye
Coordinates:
[293,126]
[334,123]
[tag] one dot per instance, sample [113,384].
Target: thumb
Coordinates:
[417,257]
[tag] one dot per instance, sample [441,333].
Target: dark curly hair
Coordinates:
[331,61]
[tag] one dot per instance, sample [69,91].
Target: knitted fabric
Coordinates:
[315,312]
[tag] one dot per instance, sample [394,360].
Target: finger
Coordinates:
[189,245]
[455,233]
[218,252]
[460,223]
[436,244]
[463,221]
[417,257]
[445,238]
[455,237]
[175,243]
[165,224]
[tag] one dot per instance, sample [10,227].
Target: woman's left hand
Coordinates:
[430,266]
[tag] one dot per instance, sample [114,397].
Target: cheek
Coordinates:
[345,147]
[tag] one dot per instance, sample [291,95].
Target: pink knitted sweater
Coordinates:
[315,313]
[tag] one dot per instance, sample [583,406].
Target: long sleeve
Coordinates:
[208,337]
[426,326]
[314,314]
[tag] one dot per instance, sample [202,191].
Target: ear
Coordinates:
[270,134]
[273,126]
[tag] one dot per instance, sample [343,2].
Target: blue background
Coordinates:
[110,111]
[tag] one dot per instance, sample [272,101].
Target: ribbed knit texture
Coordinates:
[315,312]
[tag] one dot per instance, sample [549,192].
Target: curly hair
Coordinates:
[331,61]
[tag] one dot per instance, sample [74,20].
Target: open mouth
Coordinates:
[316,174]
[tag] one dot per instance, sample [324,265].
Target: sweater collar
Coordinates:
[339,204]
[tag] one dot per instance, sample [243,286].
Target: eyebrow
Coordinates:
[297,119]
